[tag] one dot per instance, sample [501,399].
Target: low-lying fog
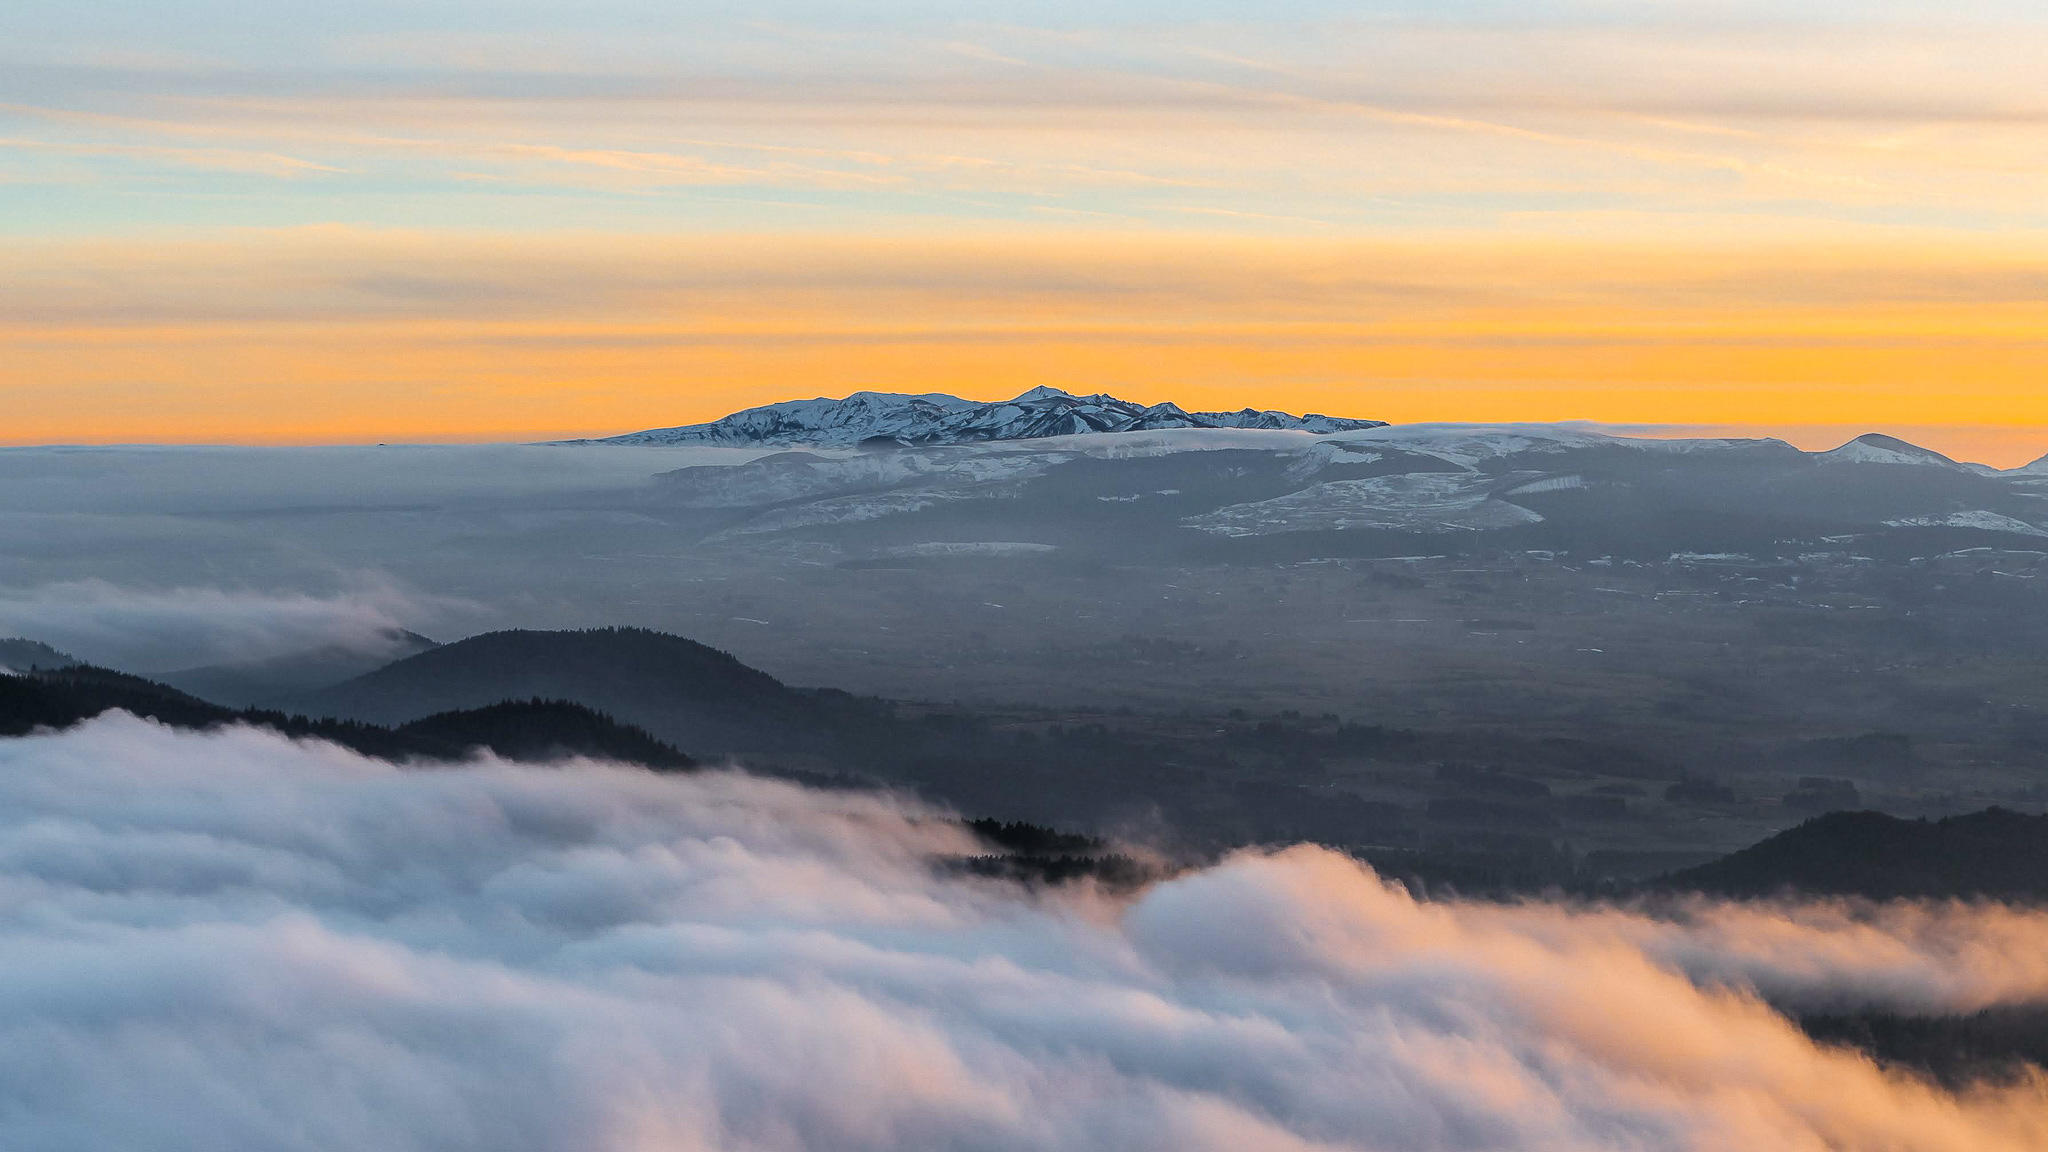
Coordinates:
[230,940]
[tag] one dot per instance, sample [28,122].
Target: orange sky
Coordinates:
[439,220]
[333,334]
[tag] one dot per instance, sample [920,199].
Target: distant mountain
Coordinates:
[936,418]
[245,685]
[1994,853]
[19,655]
[1876,448]
[1243,495]
[695,697]
[514,729]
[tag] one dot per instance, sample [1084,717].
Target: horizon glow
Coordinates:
[232,222]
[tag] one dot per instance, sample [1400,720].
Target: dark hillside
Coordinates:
[515,730]
[22,655]
[1996,853]
[543,730]
[681,691]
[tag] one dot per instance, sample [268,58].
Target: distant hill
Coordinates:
[516,730]
[61,697]
[19,655]
[681,691]
[244,685]
[522,730]
[1995,853]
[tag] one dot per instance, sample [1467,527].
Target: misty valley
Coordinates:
[914,677]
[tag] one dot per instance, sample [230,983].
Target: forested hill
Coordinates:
[530,729]
[1996,853]
[523,730]
[682,691]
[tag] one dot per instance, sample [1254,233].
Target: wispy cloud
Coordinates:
[147,629]
[1837,114]
[220,159]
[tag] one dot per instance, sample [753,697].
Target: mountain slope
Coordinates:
[1876,448]
[542,730]
[935,418]
[242,685]
[1246,494]
[17,654]
[695,697]
[1995,853]
[533,730]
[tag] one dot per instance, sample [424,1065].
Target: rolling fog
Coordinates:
[231,939]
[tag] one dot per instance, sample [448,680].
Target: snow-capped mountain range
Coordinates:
[935,418]
[1189,490]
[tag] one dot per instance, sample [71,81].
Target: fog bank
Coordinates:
[232,940]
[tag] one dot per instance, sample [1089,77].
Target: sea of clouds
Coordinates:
[229,940]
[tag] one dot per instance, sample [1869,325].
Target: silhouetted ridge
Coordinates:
[515,730]
[61,697]
[544,730]
[681,691]
[253,683]
[1998,1044]
[17,654]
[1995,853]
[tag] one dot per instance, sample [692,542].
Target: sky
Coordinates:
[446,220]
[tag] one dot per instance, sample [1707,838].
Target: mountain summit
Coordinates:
[936,418]
[1877,448]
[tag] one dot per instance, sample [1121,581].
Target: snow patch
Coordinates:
[1986,521]
[972,548]
[1416,502]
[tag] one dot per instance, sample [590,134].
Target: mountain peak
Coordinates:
[937,418]
[1042,392]
[1877,448]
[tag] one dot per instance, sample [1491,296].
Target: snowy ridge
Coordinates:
[1018,482]
[936,418]
[1874,448]
[1986,521]
[1424,502]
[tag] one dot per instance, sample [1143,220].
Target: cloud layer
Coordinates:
[231,940]
[170,629]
